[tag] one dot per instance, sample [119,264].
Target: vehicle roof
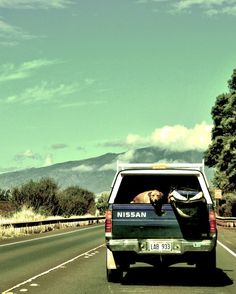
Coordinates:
[160,165]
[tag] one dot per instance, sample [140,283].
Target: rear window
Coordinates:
[132,185]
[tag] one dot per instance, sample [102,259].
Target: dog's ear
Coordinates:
[151,196]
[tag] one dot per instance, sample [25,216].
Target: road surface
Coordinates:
[74,262]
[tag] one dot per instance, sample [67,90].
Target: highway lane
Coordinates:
[34,255]
[86,273]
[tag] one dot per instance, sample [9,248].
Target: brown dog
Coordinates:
[152,196]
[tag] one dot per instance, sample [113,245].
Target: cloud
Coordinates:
[230,10]
[11,35]
[28,154]
[34,4]
[8,169]
[11,72]
[175,138]
[59,146]
[82,103]
[48,160]
[36,64]
[186,4]
[180,138]
[127,156]
[83,168]
[89,81]
[43,93]
[209,7]
[109,166]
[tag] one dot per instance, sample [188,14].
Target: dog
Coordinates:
[152,196]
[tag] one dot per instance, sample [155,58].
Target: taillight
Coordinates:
[108,221]
[212,221]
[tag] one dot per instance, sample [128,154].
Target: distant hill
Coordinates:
[95,174]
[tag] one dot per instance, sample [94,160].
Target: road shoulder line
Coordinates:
[226,248]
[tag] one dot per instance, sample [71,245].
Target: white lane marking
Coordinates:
[226,248]
[52,269]
[91,254]
[34,285]
[50,236]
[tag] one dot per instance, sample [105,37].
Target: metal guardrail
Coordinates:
[221,221]
[91,220]
[226,221]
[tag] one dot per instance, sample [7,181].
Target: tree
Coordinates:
[221,153]
[45,197]
[76,201]
[48,191]
[102,203]
[41,196]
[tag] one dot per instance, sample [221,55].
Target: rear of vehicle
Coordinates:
[184,231]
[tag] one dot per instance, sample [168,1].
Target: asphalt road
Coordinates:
[74,262]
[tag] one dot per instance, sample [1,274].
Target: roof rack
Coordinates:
[160,165]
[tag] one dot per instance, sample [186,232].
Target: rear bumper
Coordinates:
[178,246]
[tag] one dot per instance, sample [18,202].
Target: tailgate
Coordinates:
[137,221]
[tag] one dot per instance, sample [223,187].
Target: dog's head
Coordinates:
[155,196]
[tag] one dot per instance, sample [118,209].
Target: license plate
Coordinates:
[160,246]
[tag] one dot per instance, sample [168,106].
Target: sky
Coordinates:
[81,78]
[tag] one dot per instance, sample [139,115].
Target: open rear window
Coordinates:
[132,185]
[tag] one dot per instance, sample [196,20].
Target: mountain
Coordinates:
[95,174]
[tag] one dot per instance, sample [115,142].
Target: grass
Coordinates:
[26,215]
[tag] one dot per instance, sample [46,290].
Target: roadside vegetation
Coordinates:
[27,214]
[40,200]
[102,203]
[45,198]
[221,154]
